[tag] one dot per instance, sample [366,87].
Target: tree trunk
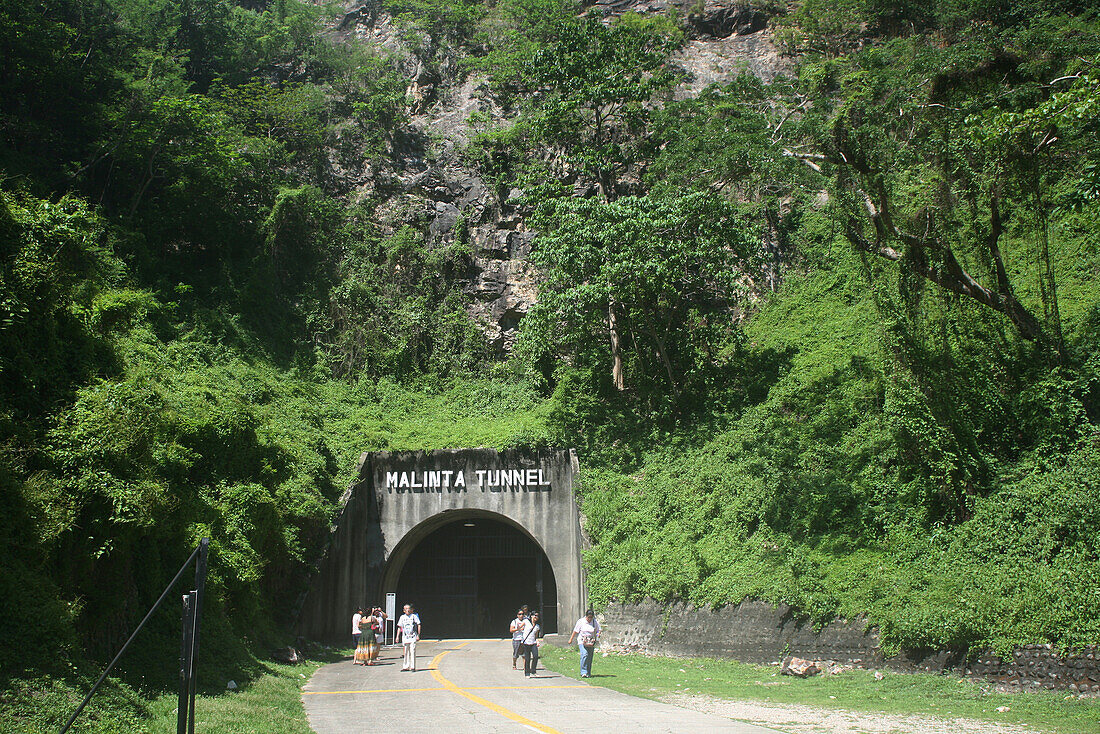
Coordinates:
[616,348]
[663,353]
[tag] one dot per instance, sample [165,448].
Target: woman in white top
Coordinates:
[517,627]
[587,632]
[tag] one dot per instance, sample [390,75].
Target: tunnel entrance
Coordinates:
[467,578]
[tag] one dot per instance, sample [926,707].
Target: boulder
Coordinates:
[799,667]
[287,656]
[718,20]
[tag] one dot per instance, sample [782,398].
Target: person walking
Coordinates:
[531,636]
[376,623]
[587,632]
[408,629]
[356,638]
[517,627]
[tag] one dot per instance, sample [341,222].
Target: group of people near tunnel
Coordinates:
[368,636]
[526,632]
[527,637]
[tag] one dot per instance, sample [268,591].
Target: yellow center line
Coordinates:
[479,700]
[421,690]
[373,690]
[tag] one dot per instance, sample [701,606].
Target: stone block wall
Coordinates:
[758,632]
[754,632]
[1040,666]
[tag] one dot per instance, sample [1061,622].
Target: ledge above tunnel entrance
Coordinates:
[404,530]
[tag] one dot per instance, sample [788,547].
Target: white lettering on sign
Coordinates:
[449,480]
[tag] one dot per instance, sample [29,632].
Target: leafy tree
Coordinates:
[54,258]
[734,139]
[593,89]
[644,273]
[511,33]
[397,309]
[931,194]
[57,69]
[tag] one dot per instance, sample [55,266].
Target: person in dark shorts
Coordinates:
[517,628]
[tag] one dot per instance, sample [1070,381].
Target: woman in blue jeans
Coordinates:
[586,631]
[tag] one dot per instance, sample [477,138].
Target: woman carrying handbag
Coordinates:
[587,632]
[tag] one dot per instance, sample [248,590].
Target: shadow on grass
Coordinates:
[325,654]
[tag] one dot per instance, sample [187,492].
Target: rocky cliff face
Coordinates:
[430,186]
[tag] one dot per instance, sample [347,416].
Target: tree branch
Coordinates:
[950,274]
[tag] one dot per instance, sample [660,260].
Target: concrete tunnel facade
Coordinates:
[466,535]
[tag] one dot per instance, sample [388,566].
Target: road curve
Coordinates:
[469,686]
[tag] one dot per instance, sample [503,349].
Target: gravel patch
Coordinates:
[797,719]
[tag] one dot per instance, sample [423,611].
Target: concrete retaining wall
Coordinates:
[758,632]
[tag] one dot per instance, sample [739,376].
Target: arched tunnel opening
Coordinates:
[468,578]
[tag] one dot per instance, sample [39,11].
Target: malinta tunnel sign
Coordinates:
[467,535]
[449,480]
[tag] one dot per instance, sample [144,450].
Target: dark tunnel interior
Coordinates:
[468,578]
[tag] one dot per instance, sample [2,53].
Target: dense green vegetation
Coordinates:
[831,340]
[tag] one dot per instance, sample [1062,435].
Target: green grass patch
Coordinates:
[270,700]
[856,690]
[269,703]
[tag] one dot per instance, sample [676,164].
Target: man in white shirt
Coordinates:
[408,628]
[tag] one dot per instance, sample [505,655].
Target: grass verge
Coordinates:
[856,690]
[269,700]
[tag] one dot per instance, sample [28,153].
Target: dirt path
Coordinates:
[796,719]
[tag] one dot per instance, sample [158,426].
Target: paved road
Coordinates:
[469,686]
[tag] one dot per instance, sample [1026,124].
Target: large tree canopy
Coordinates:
[654,271]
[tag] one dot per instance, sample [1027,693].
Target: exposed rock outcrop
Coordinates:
[429,185]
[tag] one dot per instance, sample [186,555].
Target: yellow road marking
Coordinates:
[421,690]
[479,700]
[373,690]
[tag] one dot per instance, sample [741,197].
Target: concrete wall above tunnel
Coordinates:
[401,498]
